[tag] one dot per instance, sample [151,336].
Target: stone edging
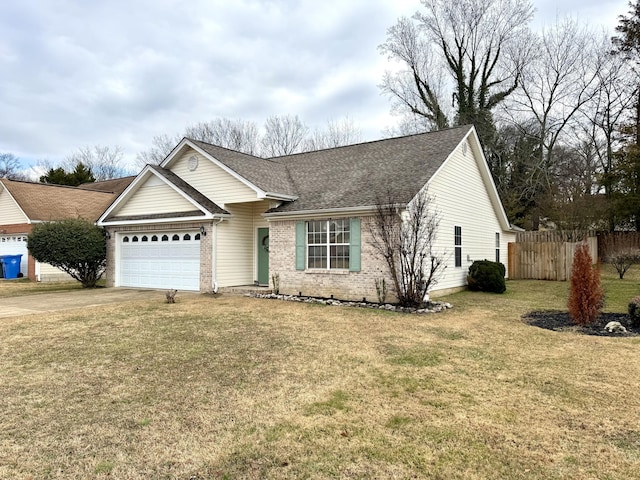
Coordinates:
[431,307]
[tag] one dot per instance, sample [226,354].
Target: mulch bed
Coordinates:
[559,321]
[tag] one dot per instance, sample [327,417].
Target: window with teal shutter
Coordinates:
[354,246]
[300,245]
[328,244]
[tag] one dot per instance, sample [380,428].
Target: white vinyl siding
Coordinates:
[48,273]
[155,196]
[10,213]
[235,246]
[461,197]
[212,181]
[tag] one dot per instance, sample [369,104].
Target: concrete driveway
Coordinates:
[67,300]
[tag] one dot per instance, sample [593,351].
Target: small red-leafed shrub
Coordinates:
[585,296]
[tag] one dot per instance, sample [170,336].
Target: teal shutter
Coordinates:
[354,245]
[301,245]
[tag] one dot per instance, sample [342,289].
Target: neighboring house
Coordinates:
[22,204]
[209,217]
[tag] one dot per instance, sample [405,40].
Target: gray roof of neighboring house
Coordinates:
[114,185]
[363,174]
[265,174]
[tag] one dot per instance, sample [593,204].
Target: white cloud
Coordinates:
[78,73]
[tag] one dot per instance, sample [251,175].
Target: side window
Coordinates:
[497,247]
[457,242]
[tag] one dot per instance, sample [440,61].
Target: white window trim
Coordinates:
[327,245]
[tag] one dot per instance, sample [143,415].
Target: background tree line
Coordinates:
[280,135]
[557,110]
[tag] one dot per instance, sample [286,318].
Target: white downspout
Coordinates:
[214,243]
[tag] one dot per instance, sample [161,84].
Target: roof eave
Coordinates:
[278,196]
[148,170]
[148,221]
[343,211]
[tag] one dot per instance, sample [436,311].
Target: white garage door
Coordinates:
[160,260]
[15,245]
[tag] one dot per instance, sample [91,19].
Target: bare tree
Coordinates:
[404,235]
[10,167]
[481,44]
[283,135]
[620,249]
[419,89]
[337,133]
[105,162]
[161,146]
[238,135]
[556,84]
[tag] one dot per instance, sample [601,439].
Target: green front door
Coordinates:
[263,256]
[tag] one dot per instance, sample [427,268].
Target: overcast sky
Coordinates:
[78,73]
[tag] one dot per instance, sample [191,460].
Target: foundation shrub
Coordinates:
[487,276]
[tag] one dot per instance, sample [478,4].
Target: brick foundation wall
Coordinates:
[206,248]
[341,284]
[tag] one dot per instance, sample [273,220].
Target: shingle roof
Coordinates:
[189,190]
[357,175]
[268,175]
[47,202]
[115,185]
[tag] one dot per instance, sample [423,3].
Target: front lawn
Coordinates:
[24,286]
[233,387]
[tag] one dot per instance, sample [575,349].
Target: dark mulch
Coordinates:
[559,321]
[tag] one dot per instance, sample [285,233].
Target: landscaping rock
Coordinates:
[615,327]
[428,307]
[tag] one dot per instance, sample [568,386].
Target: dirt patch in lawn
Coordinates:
[559,321]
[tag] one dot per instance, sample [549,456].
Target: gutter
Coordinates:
[344,211]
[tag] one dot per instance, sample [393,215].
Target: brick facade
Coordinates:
[341,284]
[206,248]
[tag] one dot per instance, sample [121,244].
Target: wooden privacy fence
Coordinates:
[545,260]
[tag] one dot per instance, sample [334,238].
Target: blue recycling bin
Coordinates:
[11,265]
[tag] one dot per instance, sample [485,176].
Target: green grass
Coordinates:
[232,387]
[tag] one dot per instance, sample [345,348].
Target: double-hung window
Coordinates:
[457,243]
[497,247]
[328,244]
